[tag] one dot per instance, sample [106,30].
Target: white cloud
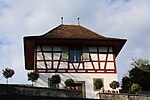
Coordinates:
[114,18]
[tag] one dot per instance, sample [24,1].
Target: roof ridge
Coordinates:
[51,30]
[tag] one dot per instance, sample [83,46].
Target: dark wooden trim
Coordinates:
[106,59]
[99,66]
[43,57]
[75,69]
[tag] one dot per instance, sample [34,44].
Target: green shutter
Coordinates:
[64,54]
[86,53]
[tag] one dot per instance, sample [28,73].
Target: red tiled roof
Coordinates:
[68,35]
[72,32]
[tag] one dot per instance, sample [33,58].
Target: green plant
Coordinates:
[8,73]
[56,79]
[98,83]
[69,82]
[135,88]
[114,84]
[126,84]
[139,74]
[33,76]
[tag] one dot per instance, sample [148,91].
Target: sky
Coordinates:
[127,19]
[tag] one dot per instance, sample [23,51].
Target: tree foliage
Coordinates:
[69,82]
[126,83]
[8,73]
[142,64]
[135,88]
[140,74]
[56,79]
[33,76]
[98,83]
[114,84]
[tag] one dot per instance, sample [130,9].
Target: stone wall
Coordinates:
[25,97]
[106,96]
[37,91]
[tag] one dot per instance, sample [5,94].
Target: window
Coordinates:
[64,54]
[75,55]
[98,84]
[86,54]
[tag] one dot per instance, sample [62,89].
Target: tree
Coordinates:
[8,73]
[98,83]
[56,79]
[69,82]
[142,64]
[135,88]
[33,76]
[140,74]
[114,84]
[126,84]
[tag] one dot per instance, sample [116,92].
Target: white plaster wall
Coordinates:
[87,77]
[88,65]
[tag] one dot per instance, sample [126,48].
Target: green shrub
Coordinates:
[135,88]
[33,76]
[114,84]
[8,73]
[69,82]
[56,79]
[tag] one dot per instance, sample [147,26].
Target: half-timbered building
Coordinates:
[73,51]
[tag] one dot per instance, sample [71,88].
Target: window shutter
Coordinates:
[86,54]
[64,54]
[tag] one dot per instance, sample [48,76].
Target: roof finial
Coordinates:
[78,21]
[62,20]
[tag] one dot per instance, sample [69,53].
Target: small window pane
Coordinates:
[110,49]
[64,54]
[38,48]
[75,55]
[78,56]
[103,49]
[72,56]
[47,48]
[56,48]
[93,49]
[86,54]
